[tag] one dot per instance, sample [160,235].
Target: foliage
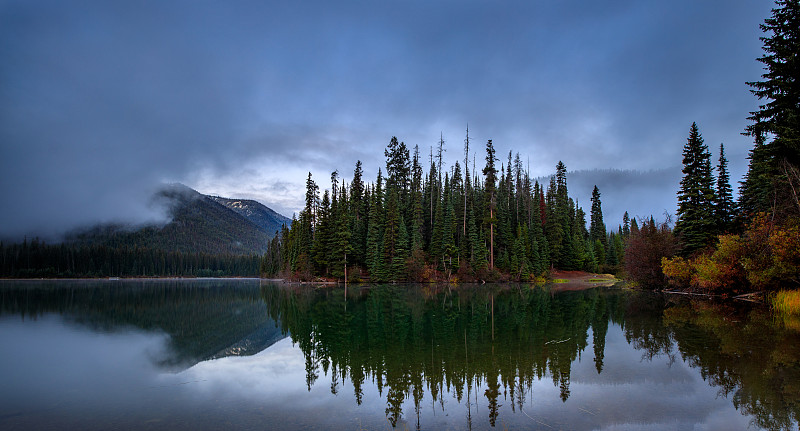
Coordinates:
[765,257]
[773,253]
[646,248]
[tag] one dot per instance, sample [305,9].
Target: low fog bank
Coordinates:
[53,212]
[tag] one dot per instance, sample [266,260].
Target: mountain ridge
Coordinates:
[196,223]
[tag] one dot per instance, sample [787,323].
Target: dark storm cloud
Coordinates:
[101,101]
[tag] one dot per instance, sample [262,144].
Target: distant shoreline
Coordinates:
[130,278]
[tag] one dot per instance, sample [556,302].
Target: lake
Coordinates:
[252,354]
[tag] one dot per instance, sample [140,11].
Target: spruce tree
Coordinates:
[554,231]
[697,224]
[391,233]
[597,229]
[756,193]
[323,237]
[342,249]
[490,176]
[626,225]
[725,206]
[449,249]
[417,222]
[374,257]
[357,217]
[774,174]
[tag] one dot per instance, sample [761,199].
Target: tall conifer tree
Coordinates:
[597,229]
[490,175]
[725,206]
[773,177]
[697,224]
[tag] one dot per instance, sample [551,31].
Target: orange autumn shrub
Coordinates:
[766,257]
[720,269]
[706,273]
[772,259]
[729,271]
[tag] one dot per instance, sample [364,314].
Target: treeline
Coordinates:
[719,244]
[453,225]
[36,259]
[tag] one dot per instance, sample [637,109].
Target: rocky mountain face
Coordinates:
[256,212]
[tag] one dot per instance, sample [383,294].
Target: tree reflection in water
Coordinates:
[413,339]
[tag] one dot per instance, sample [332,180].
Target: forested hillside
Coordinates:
[198,223]
[203,237]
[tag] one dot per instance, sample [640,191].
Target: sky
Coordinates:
[102,102]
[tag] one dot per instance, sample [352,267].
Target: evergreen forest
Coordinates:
[490,222]
[444,225]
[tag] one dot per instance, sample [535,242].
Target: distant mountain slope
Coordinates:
[264,217]
[198,223]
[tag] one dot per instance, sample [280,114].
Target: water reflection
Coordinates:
[202,319]
[489,347]
[212,354]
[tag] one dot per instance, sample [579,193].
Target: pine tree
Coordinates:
[374,257]
[323,237]
[358,217]
[725,206]
[449,249]
[773,178]
[437,248]
[520,265]
[391,233]
[554,231]
[612,257]
[342,248]
[626,225]
[307,218]
[490,174]
[697,224]
[597,229]
[756,193]
[563,211]
[416,236]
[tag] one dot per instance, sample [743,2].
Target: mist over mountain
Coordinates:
[640,193]
[196,223]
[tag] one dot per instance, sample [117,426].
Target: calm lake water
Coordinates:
[249,354]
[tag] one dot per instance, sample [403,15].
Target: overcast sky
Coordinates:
[101,101]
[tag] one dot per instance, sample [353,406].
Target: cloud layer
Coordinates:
[102,101]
